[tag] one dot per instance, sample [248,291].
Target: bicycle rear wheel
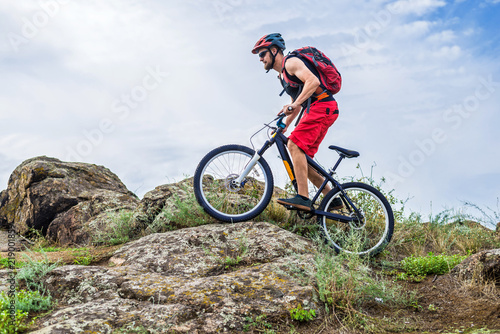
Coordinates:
[372,227]
[220,197]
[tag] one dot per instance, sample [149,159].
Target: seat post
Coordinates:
[342,156]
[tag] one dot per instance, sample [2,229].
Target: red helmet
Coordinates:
[268,40]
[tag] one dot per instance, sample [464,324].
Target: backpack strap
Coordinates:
[302,111]
[310,100]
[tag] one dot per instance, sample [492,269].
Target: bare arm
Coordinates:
[295,66]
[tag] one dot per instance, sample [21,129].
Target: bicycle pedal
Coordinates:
[289,207]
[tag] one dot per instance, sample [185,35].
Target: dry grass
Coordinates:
[478,286]
[412,237]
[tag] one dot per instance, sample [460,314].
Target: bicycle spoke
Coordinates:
[221,194]
[371,225]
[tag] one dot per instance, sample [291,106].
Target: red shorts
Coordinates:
[313,126]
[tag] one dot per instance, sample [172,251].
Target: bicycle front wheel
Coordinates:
[220,196]
[369,222]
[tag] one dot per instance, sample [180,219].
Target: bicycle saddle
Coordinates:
[342,151]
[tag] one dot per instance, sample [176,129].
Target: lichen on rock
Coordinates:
[60,199]
[180,282]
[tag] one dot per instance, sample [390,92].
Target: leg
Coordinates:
[301,201]
[318,180]
[300,168]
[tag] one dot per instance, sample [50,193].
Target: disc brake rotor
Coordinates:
[230,185]
[358,222]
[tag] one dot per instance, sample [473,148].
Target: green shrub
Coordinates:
[27,301]
[83,257]
[301,314]
[259,324]
[6,262]
[181,210]
[119,230]
[33,272]
[19,324]
[430,264]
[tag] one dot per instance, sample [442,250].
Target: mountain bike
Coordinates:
[234,183]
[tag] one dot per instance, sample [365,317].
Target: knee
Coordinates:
[292,146]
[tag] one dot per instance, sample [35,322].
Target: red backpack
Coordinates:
[329,76]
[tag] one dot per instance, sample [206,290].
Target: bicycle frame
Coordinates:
[278,138]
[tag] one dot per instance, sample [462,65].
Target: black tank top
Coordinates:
[294,92]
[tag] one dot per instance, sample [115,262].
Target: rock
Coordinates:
[62,199]
[483,265]
[205,279]
[158,206]
[3,202]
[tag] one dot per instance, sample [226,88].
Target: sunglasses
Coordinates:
[263,54]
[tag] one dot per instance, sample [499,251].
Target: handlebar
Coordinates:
[279,122]
[280,117]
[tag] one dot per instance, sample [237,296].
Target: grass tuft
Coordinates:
[346,283]
[431,264]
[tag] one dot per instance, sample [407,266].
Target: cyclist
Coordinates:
[321,111]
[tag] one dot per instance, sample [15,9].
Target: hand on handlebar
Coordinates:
[287,110]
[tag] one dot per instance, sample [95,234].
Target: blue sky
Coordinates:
[146,88]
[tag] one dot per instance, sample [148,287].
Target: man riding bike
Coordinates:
[301,81]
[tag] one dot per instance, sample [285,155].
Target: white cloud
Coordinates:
[417,7]
[442,37]
[415,29]
[448,52]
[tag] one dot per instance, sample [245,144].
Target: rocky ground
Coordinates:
[205,279]
[219,278]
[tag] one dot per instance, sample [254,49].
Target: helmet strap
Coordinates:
[274,58]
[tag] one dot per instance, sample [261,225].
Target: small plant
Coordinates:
[132,328]
[181,210]
[119,230]
[490,217]
[83,257]
[402,276]
[259,324]
[416,278]
[8,263]
[432,308]
[229,261]
[430,264]
[448,232]
[48,249]
[37,239]
[20,323]
[301,314]
[234,257]
[33,272]
[416,305]
[27,301]
[83,260]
